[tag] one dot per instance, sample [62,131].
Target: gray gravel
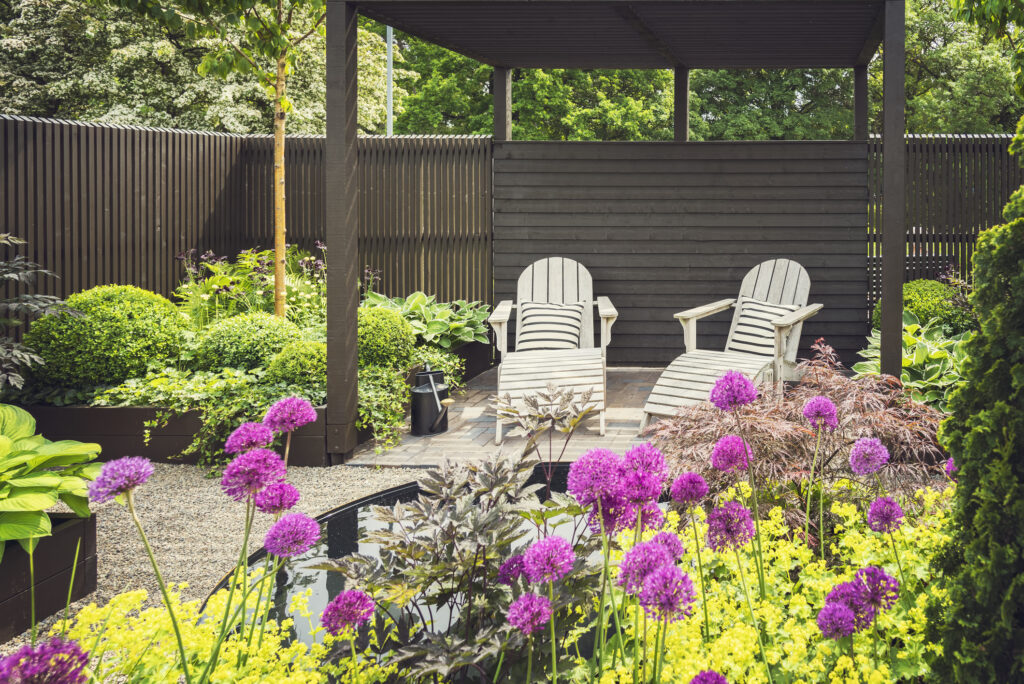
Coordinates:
[196,531]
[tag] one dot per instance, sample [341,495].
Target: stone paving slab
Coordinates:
[471,425]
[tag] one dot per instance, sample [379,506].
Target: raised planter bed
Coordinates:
[53,560]
[478,357]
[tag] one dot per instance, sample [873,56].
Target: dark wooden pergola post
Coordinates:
[502,90]
[682,104]
[342,227]
[894,153]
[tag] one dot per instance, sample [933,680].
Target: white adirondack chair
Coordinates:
[555,280]
[762,344]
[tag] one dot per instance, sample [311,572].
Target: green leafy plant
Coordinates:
[216,287]
[301,364]
[980,621]
[383,396]
[932,362]
[385,338]
[121,330]
[14,356]
[931,300]
[452,365]
[245,341]
[35,473]
[443,325]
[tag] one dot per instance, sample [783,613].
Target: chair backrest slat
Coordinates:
[776,281]
[558,280]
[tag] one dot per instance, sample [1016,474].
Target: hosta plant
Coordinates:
[444,325]
[932,361]
[35,474]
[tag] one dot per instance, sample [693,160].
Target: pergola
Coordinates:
[610,34]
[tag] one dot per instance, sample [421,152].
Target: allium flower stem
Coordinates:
[529,659]
[351,643]
[71,587]
[287,447]
[700,569]
[611,594]
[32,587]
[554,650]
[821,515]
[659,657]
[757,513]
[753,619]
[810,486]
[896,555]
[130,499]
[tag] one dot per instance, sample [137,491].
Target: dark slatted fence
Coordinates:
[957,186]
[111,204]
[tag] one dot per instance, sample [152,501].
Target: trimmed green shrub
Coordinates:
[383,396]
[982,619]
[121,330]
[301,364]
[931,300]
[246,341]
[385,338]
[452,365]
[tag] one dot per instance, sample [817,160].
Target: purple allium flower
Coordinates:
[349,609]
[951,469]
[548,560]
[667,593]
[709,677]
[277,497]
[511,570]
[119,476]
[854,596]
[54,661]
[729,526]
[250,472]
[885,515]
[639,562]
[594,476]
[289,414]
[248,436]
[732,390]
[821,413]
[651,516]
[689,488]
[868,455]
[293,534]
[671,543]
[643,473]
[881,589]
[731,453]
[836,620]
[529,612]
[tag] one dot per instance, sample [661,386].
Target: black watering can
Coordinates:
[430,403]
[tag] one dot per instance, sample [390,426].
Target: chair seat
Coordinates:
[688,380]
[529,372]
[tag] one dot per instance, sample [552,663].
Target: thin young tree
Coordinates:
[252,37]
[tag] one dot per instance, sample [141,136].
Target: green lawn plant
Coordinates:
[301,364]
[933,302]
[385,339]
[442,325]
[932,361]
[383,396]
[245,341]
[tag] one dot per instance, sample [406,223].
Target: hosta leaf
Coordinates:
[15,422]
[23,525]
[28,499]
[79,504]
[49,480]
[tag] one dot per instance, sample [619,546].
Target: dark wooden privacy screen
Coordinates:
[664,227]
[114,204]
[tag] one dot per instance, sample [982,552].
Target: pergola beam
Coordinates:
[681,112]
[894,152]
[860,102]
[630,16]
[342,207]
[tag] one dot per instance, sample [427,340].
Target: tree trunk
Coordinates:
[279,196]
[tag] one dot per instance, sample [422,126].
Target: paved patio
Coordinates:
[471,425]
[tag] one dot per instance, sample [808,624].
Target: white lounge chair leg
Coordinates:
[497,433]
[602,423]
[644,420]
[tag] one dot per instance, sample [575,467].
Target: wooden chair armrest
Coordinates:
[608,314]
[801,314]
[706,310]
[502,312]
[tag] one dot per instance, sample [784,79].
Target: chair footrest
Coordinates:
[530,372]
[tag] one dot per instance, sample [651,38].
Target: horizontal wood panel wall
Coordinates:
[667,226]
[957,186]
[115,204]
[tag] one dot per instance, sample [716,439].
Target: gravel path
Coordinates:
[196,531]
